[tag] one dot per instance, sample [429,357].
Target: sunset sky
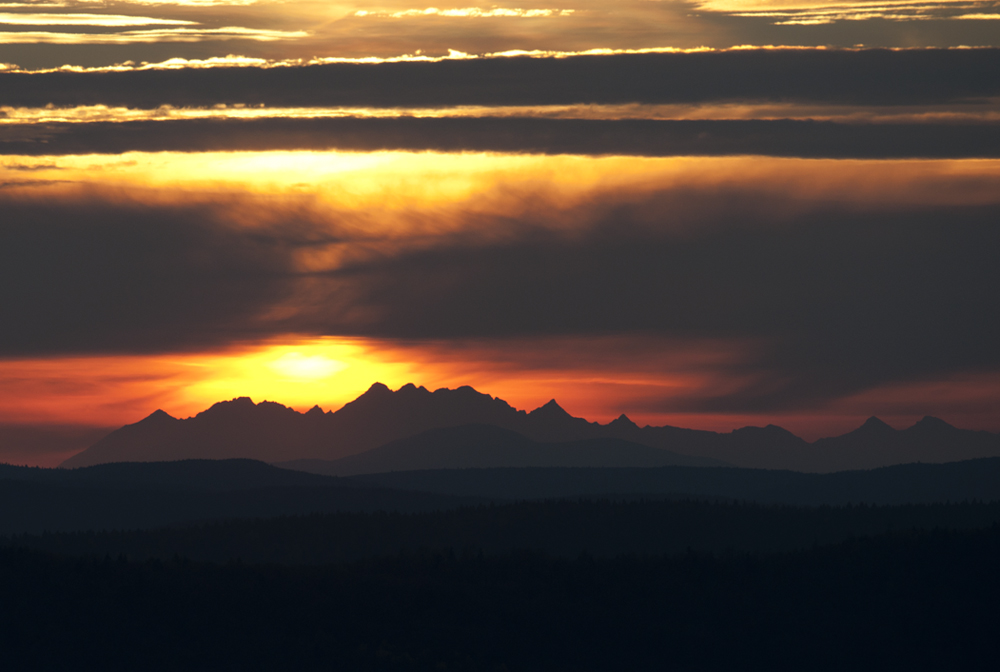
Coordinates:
[707,214]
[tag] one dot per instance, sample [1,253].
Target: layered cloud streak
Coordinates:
[868,77]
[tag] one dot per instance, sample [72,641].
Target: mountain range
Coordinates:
[384,430]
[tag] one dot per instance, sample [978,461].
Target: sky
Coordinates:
[705,214]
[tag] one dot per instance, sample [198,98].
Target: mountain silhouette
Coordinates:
[488,446]
[876,444]
[271,432]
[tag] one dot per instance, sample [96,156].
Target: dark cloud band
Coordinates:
[919,76]
[526,135]
[85,275]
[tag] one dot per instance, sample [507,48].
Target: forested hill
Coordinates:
[900,484]
[558,528]
[143,495]
[912,601]
[138,495]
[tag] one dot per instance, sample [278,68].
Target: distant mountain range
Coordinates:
[385,430]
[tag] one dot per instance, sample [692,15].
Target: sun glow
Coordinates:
[298,367]
[388,189]
[109,390]
[325,371]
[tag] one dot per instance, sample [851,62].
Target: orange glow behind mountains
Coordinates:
[642,378]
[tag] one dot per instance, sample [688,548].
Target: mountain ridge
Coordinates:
[271,432]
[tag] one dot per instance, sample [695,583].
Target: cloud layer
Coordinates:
[309,29]
[637,137]
[827,297]
[869,77]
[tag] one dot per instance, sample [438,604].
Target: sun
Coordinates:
[298,366]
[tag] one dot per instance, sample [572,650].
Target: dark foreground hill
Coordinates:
[916,601]
[142,495]
[605,528]
[206,475]
[900,484]
[487,446]
[273,433]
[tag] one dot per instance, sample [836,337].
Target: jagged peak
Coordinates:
[243,407]
[461,391]
[550,409]
[410,389]
[874,421]
[159,415]
[315,411]
[274,405]
[622,421]
[873,424]
[235,403]
[930,422]
[376,391]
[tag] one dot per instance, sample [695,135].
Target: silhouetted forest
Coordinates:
[138,495]
[898,484]
[625,582]
[601,528]
[900,601]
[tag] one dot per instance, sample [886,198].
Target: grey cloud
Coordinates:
[882,77]
[531,135]
[88,275]
[927,31]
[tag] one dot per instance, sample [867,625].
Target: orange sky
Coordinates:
[90,33]
[596,378]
